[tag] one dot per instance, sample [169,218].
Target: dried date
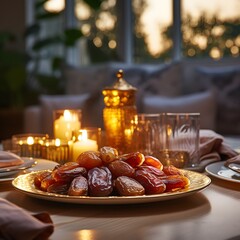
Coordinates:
[171,170]
[120,168]
[89,159]
[39,177]
[65,174]
[46,182]
[134,159]
[152,161]
[100,182]
[175,182]
[127,186]
[58,188]
[78,187]
[151,183]
[152,170]
[108,154]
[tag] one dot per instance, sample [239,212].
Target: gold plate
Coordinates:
[25,184]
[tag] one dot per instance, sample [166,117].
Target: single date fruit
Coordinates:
[171,170]
[46,182]
[89,159]
[127,186]
[151,183]
[78,187]
[100,182]
[153,170]
[65,174]
[175,182]
[152,161]
[58,188]
[120,168]
[108,154]
[39,177]
[134,159]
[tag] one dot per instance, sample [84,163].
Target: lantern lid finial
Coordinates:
[120,74]
[121,83]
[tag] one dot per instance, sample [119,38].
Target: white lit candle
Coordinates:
[65,125]
[83,144]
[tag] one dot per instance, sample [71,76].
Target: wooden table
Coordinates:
[213,213]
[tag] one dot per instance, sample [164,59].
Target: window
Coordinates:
[151,41]
[211,28]
[141,31]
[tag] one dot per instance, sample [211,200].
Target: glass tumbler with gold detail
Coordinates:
[118,113]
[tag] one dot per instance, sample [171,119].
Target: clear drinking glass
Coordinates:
[145,136]
[179,144]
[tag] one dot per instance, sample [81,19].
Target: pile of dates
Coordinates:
[105,173]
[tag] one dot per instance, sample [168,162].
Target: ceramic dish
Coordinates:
[35,165]
[25,184]
[27,162]
[218,170]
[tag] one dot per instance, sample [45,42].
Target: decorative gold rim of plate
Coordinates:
[25,183]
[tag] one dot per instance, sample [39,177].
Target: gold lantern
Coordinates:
[119,110]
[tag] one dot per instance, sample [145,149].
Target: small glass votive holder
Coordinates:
[179,144]
[56,150]
[65,121]
[86,139]
[28,145]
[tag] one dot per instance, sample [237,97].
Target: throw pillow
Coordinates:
[203,103]
[226,83]
[166,81]
[49,103]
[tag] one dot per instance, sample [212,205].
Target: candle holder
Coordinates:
[56,150]
[29,145]
[87,139]
[65,122]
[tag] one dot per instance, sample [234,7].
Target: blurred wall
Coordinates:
[12,19]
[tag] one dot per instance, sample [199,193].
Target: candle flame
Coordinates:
[30,141]
[70,116]
[57,142]
[83,136]
[67,115]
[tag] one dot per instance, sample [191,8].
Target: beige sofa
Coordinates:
[209,87]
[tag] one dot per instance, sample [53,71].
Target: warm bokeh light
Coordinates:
[105,22]
[215,53]
[57,142]
[86,29]
[237,41]
[54,5]
[30,141]
[82,10]
[229,43]
[97,42]
[191,52]
[234,50]
[218,30]
[112,44]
